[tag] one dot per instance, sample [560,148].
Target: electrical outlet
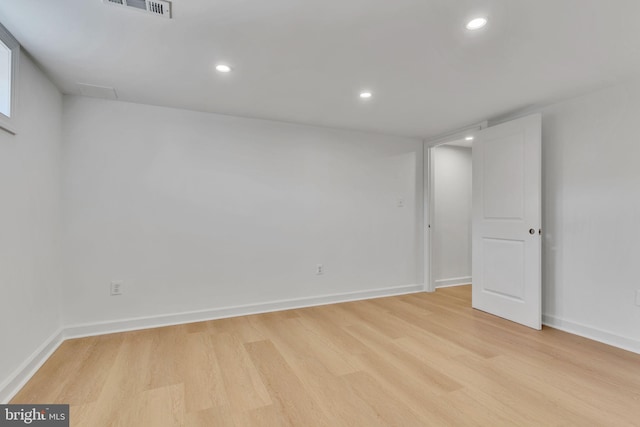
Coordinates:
[116,288]
[638,297]
[319,269]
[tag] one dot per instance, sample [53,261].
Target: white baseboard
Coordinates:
[100,328]
[453,281]
[29,367]
[15,382]
[592,333]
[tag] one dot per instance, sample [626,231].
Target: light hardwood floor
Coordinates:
[412,360]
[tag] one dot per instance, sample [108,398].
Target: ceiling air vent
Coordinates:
[97,91]
[153,7]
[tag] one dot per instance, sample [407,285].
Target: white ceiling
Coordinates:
[306,61]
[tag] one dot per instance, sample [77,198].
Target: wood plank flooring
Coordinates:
[412,360]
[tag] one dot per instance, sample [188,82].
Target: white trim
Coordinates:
[100,328]
[428,168]
[431,284]
[422,225]
[453,281]
[456,134]
[432,216]
[12,385]
[592,333]
[427,215]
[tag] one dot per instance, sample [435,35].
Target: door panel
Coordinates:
[506,206]
[503,267]
[506,180]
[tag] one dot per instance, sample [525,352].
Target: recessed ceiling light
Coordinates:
[223,68]
[468,138]
[366,94]
[476,24]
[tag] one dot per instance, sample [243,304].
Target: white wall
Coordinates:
[591,214]
[451,223]
[197,211]
[30,216]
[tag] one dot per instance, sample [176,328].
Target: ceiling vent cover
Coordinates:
[153,7]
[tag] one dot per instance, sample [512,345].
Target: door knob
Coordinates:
[532,231]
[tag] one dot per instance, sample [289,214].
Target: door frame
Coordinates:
[427,195]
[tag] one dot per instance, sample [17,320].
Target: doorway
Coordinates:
[505,218]
[451,213]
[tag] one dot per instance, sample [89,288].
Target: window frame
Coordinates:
[8,123]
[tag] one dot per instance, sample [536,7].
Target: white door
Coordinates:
[507,221]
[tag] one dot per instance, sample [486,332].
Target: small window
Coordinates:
[5,79]
[9,51]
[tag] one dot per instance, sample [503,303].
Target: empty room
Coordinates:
[311,213]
